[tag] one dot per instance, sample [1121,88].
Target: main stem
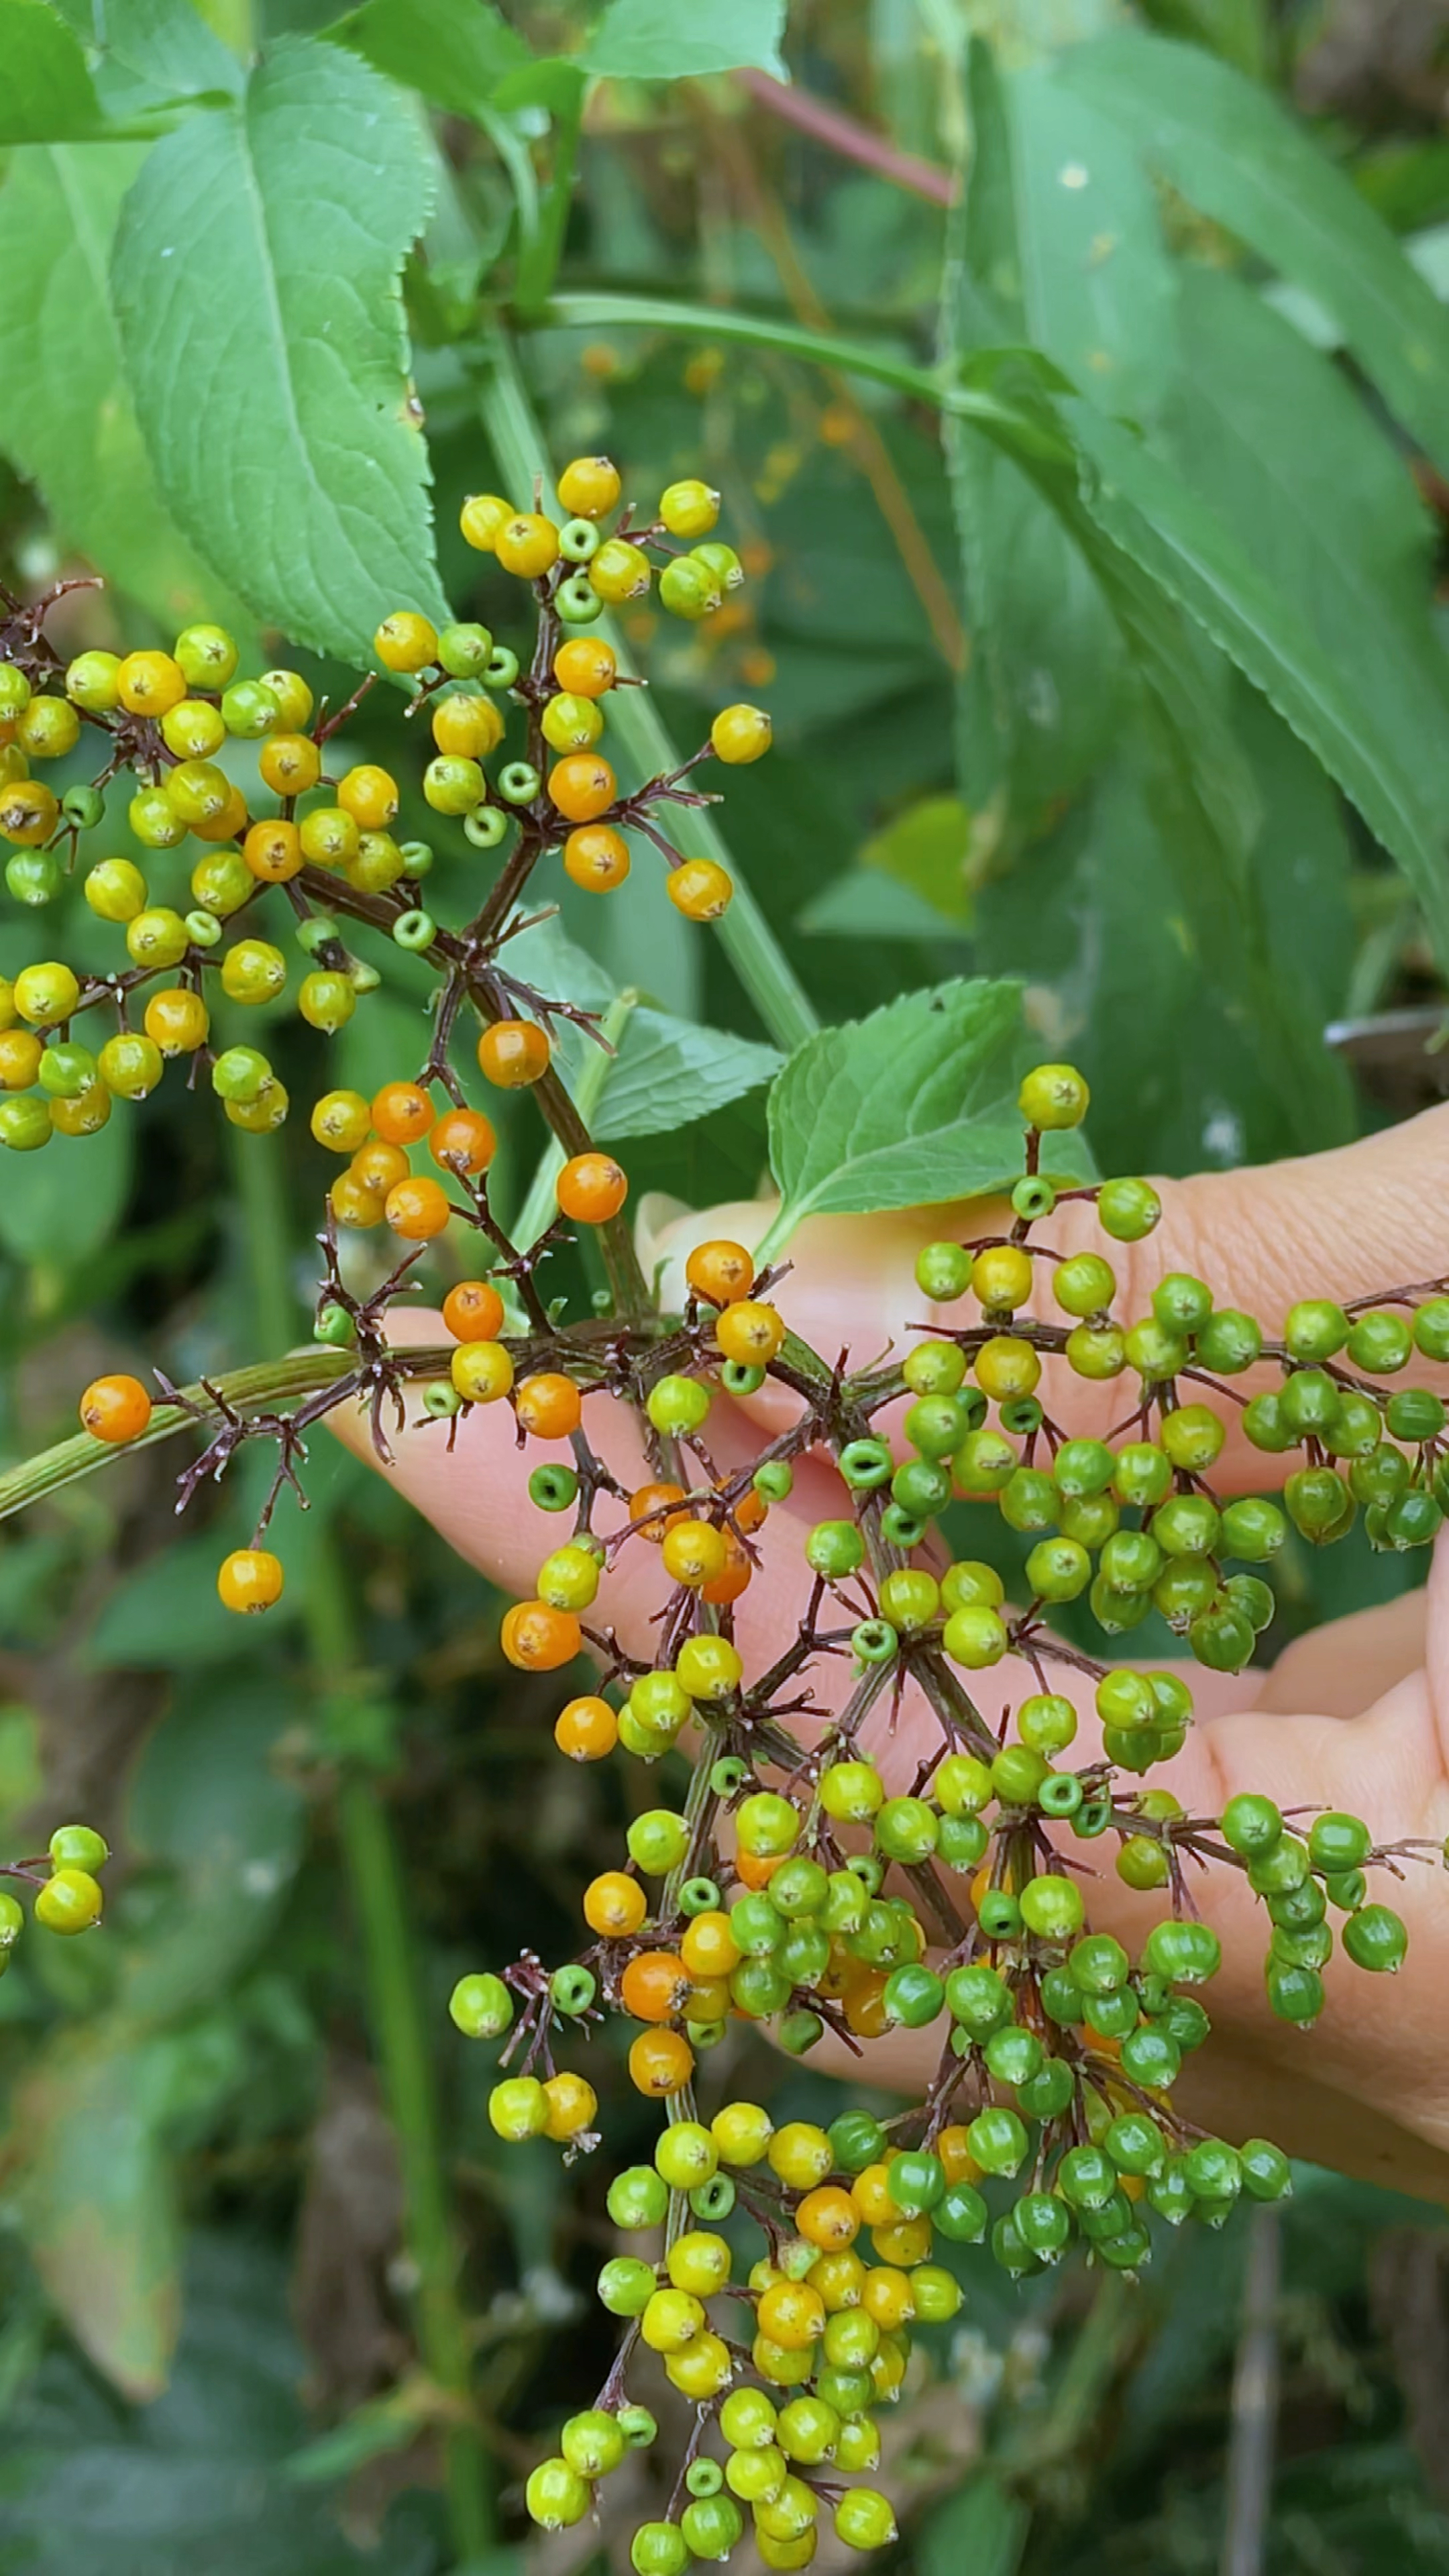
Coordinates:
[379,1902]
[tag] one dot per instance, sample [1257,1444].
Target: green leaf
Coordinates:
[1237,156]
[66,419]
[169,44]
[908,1108]
[927,848]
[455,51]
[46,94]
[982,2527]
[1192,556]
[59,1206]
[256,278]
[863,904]
[669,1072]
[657,40]
[97,2200]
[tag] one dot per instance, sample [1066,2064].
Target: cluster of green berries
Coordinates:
[66,1884]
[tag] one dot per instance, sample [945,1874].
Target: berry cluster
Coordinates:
[781,2268]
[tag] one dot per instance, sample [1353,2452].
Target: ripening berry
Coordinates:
[178,1021]
[467,725]
[115,1409]
[290,764]
[263,1113]
[453,786]
[1002,1276]
[596,857]
[379,863]
[326,1000]
[689,509]
[518,2108]
[689,589]
[352,1205]
[20,1054]
[473,1310]
[329,837]
[70,1901]
[252,972]
[46,994]
[591,1188]
[481,1370]
[402,1113]
[406,642]
[130,1065]
[589,486]
[341,1121]
[417,1209]
[694,1553]
[527,545]
[619,572]
[571,723]
[47,728]
[514,1053]
[222,883]
[585,666]
[463,1140]
[708,1668]
[115,890]
[750,1332]
[548,1405]
[480,519]
[572,2106]
[148,684]
[582,786]
[198,791]
[1054,1096]
[586,1729]
[614,1905]
[251,1578]
[537,1638]
[159,937]
[740,734]
[29,813]
[92,681]
[700,889]
[273,851]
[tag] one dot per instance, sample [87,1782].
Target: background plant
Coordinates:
[1152,715]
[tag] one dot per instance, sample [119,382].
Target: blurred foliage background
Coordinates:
[271,2299]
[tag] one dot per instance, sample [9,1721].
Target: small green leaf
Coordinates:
[97,2200]
[59,1206]
[657,40]
[455,51]
[669,1072]
[928,849]
[256,278]
[908,1108]
[169,44]
[66,418]
[1237,156]
[863,904]
[46,92]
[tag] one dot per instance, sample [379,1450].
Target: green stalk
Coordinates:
[379,1901]
[749,942]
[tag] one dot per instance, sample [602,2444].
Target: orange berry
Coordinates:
[652,1498]
[586,1729]
[700,889]
[591,1188]
[115,1408]
[514,1053]
[655,1986]
[750,1511]
[417,1209]
[273,851]
[720,1271]
[582,786]
[756,1869]
[290,763]
[250,1579]
[377,1166]
[960,2164]
[864,2005]
[694,1553]
[539,1639]
[791,2314]
[661,2062]
[585,666]
[548,1405]
[733,1578]
[463,1141]
[596,857]
[229,824]
[527,544]
[473,1311]
[572,2105]
[177,1021]
[614,1905]
[402,1113]
[749,1332]
[828,2217]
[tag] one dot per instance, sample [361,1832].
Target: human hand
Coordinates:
[1354,1715]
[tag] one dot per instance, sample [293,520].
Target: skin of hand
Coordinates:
[1354,1715]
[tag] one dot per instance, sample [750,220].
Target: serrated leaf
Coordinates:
[168,44]
[97,2201]
[908,1108]
[46,93]
[60,1205]
[66,419]
[1238,156]
[455,51]
[669,1072]
[256,278]
[657,40]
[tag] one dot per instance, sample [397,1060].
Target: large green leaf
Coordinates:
[97,2199]
[46,93]
[66,419]
[911,1107]
[455,51]
[670,1071]
[1191,555]
[1237,156]
[168,44]
[256,279]
[658,40]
